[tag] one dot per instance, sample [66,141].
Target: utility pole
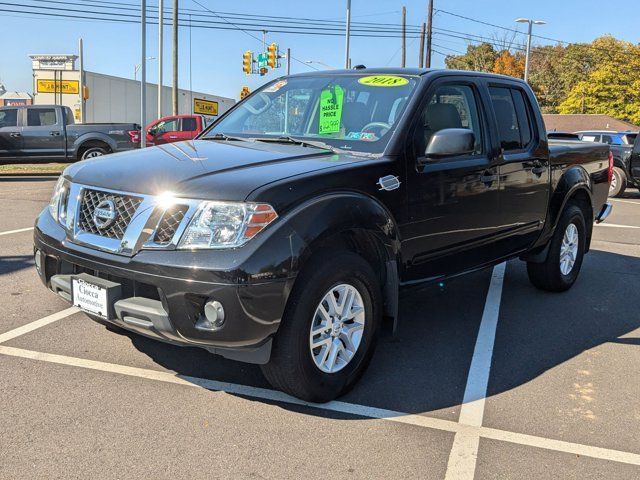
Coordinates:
[427,60]
[403,62]
[160,51]
[347,35]
[174,99]
[143,72]
[81,56]
[421,54]
[288,61]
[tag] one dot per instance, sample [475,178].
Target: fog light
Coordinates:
[38,260]
[213,317]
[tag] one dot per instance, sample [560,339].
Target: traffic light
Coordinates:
[272,52]
[244,92]
[247,62]
[263,71]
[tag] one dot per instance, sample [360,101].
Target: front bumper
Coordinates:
[163,293]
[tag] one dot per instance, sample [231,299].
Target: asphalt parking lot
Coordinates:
[486,378]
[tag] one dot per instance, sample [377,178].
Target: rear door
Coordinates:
[10,137]
[188,128]
[43,133]
[523,165]
[452,203]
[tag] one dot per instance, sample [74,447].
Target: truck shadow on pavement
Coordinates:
[14,263]
[423,369]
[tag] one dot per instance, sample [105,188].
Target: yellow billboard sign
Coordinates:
[58,86]
[205,107]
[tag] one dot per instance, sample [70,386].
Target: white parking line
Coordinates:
[9,232]
[467,435]
[464,453]
[625,201]
[614,225]
[335,406]
[30,327]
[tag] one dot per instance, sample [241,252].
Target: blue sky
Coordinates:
[217,54]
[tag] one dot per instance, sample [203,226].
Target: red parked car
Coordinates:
[174,129]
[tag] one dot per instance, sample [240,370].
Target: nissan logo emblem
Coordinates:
[104,214]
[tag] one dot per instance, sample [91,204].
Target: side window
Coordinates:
[167,126]
[189,125]
[9,118]
[505,110]
[450,106]
[41,117]
[524,117]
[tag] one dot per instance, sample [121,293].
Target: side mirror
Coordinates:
[449,142]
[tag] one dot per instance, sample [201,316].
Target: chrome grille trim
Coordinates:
[138,233]
[169,223]
[126,207]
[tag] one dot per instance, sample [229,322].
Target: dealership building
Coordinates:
[57,81]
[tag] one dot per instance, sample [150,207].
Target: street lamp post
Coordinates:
[526,61]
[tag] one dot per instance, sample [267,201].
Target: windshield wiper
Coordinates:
[224,136]
[311,143]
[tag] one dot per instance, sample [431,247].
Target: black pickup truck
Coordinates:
[283,234]
[48,132]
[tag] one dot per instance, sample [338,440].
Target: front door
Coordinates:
[524,167]
[43,133]
[10,137]
[453,202]
[166,131]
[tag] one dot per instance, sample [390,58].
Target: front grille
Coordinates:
[126,206]
[169,224]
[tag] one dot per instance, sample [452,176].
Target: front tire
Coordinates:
[566,252]
[618,182]
[329,330]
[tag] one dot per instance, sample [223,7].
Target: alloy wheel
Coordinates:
[569,249]
[337,328]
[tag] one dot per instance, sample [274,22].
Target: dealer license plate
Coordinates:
[90,298]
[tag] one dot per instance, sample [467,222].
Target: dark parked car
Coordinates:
[47,132]
[283,234]
[621,145]
[562,136]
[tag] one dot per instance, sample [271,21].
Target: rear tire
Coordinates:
[618,182]
[566,251]
[94,152]
[295,367]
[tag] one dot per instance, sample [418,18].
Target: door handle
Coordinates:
[173,136]
[54,134]
[538,169]
[15,134]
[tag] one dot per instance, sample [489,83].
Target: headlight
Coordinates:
[226,225]
[57,205]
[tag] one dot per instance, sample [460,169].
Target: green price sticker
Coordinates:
[331,101]
[383,81]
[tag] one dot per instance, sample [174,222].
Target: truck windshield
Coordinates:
[355,112]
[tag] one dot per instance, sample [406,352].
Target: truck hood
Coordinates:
[203,169]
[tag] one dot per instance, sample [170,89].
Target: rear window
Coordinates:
[9,118]
[508,127]
[189,125]
[41,117]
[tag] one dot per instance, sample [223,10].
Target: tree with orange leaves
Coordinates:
[509,64]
